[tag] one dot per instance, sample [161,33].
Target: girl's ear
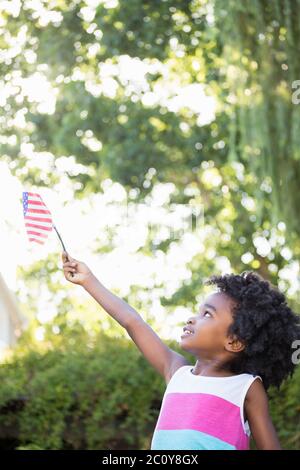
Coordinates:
[233,344]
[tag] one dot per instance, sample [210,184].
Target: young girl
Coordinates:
[242,341]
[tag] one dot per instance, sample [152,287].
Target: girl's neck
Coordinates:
[210,368]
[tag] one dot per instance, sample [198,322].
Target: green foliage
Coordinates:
[285,411]
[95,394]
[259,41]
[99,393]
[245,57]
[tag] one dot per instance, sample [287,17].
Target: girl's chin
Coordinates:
[184,344]
[185,338]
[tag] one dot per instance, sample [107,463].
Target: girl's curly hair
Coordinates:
[266,325]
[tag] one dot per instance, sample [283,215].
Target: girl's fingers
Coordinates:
[69,271]
[67,258]
[70,264]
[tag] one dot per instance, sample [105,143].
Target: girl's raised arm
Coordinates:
[158,354]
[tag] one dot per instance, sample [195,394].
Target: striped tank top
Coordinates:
[203,413]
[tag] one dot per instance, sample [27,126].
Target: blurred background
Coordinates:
[164,136]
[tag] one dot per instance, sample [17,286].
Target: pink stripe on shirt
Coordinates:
[206,413]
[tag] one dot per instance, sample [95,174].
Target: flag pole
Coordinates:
[64,248]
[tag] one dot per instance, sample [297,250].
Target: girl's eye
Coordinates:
[207,313]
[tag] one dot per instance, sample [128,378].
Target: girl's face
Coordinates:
[206,334]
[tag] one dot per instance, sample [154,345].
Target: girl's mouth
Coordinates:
[186,333]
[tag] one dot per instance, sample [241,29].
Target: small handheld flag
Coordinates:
[38,220]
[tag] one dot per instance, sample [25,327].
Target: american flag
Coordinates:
[38,220]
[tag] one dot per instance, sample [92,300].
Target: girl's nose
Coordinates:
[190,320]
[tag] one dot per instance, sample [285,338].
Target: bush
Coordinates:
[285,411]
[81,397]
[99,393]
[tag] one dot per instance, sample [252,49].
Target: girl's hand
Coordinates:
[75,271]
